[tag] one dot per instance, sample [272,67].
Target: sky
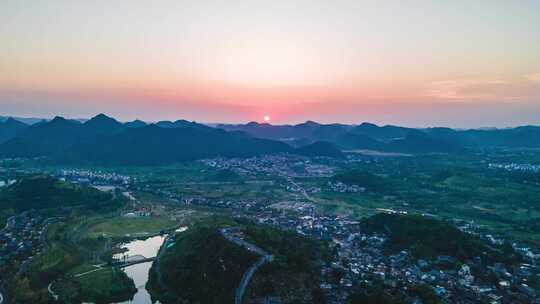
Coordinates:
[415,63]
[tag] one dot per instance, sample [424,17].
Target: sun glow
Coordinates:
[266,118]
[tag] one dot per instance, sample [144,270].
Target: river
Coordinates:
[139,273]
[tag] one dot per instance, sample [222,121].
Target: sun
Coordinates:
[266,118]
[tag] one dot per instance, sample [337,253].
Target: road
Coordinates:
[304,192]
[246,278]
[8,222]
[51,292]
[239,296]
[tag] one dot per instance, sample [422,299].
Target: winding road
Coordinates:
[246,278]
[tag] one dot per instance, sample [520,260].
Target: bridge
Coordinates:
[133,260]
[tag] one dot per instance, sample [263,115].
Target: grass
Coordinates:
[72,244]
[104,286]
[121,227]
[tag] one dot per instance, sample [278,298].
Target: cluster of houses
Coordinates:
[361,258]
[272,165]
[516,167]
[344,188]
[83,176]
[22,238]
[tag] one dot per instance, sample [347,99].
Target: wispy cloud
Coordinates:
[535,77]
[463,89]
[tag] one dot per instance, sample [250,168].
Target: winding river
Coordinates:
[139,272]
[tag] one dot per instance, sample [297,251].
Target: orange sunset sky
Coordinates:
[415,63]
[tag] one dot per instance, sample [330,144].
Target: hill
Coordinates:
[393,138]
[51,196]
[44,192]
[56,137]
[320,148]
[203,267]
[425,237]
[104,140]
[11,128]
[365,179]
[155,145]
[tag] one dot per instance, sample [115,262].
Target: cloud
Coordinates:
[459,89]
[533,77]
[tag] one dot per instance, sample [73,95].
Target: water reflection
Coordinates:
[148,248]
[139,272]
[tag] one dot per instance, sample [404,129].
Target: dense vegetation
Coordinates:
[201,267]
[365,179]
[320,148]
[294,275]
[375,293]
[425,237]
[44,192]
[111,285]
[106,141]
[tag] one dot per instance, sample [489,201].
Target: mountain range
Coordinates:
[103,139]
[393,138]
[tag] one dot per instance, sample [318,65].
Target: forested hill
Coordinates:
[104,140]
[44,192]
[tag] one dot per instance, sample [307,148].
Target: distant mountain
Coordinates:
[135,124]
[364,136]
[26,120]
[11,128]
[385,133]
[394,138]
[525,136]
[43,139]
[320,148]
[104,140]
[57,136]
[296,135]
[420,142]
[177,124]
[156,145]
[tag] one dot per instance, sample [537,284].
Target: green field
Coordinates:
[81,245]
[119,227]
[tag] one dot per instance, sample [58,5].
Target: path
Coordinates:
[302,190]
[51,292]
[246,278]
[98,268]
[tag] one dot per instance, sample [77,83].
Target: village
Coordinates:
[359,258]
